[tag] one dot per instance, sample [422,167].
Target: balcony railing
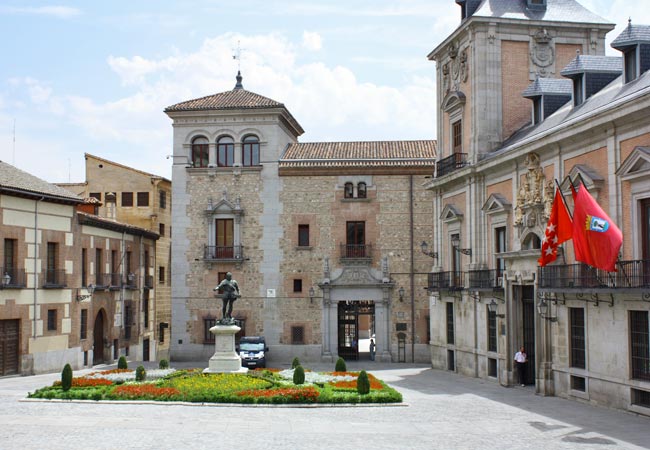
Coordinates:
[356,251]
[115,281]
[102,281]
[484,279]
[219,252]
[131,281]
[54,278]
[633,274]
[449,164]
[446,281]
[16,277]
[148,282]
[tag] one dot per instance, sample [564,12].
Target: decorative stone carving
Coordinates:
[445,78]
[385,275]
[456,70]
[542,54]
[535,196]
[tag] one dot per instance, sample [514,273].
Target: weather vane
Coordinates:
[237,55]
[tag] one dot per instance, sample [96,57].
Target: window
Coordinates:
[297,285]
[641,398]
[10,248]
[52,276]
[577,337]
[455,263]
[457,136]
[500,247]
[303,235]
[537,110]
[128,264]
[163,199]
[492,330]
[83,328]
[161,229]
[145,308]
[348,191]
[127,198]
[115,264]
[361,190]
[492,367]
[128,321]
[161,274]
[225,151]
[356,238]
[578,90]
[96,195]
[200,152]
[251,151]
[208,322]
[645,228]
[225,238]
[640,345]
[297,335]
[84,267]
[450,323]
[98,267]
[630,64]
[51,320]
[578,383]
[143,199]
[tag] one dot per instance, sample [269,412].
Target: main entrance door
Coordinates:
[98,339]
[9,340]
[528,320]
[355,327]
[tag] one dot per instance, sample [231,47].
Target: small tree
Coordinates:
[66,377]
[340,365]
[295,363]
[363,383]
[163,364]
[298,375]
[140,374]
[121,363]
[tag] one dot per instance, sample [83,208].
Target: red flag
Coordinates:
[558,229]
[596,238]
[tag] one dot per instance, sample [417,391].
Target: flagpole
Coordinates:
[557,185]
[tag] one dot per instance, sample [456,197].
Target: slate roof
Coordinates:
[593,64]
[18,182]
[556,11]
[632,35]
[380,154]
[548,86]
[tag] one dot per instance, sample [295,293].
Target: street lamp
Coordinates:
[90,290]
[6,279]
[401,293]
[455,243]
[425,247]
[542,309]
[311,294]
[493,307]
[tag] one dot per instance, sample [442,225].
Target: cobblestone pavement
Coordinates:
[443,411]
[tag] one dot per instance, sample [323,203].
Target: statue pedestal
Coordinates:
[225,358]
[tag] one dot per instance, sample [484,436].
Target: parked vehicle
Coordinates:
[252,351]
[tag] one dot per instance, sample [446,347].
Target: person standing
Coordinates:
[520,361]
[372,349]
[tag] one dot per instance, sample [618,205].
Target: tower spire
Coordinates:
[239,79]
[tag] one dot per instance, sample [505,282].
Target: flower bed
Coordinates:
[258,386]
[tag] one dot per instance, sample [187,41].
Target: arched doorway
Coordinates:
[98,338]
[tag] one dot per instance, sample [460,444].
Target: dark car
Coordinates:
[252,351]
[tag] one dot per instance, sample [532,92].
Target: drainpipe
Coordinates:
[36,247]
[411,270]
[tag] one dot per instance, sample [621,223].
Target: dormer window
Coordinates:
[537,110]
[537,4]
[630,57]
[578,90]
[634,43]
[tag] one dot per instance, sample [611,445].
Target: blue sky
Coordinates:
[95,77]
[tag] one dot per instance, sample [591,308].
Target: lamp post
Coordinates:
[90,290]
[542,309]
[6,279]
[401,294]
[493,307]
[455,243]
[425,249]
[312,293]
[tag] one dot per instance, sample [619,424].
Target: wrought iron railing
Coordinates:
[12,277]
[115,280]
[131,281]
[485,279]
[217,252]
[446,281]
[103,280]
[634,274]
[451,163]
[356,251]
[54,278]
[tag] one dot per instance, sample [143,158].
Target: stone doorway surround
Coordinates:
[356,283]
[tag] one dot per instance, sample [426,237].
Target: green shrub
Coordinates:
[121,363]
[298,375]
[66,377]
[163,364]
[295,363]
[363,384]
[140,374]
[340,365]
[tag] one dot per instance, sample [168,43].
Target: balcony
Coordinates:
[223,253]
[632,276]
[131,281]
[54,279]
[451,163]
[102,281]
[356,252]
[484,280]
[12,278]
[446,281]
[115,281]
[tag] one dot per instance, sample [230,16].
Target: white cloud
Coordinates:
[311,41]
[61,12]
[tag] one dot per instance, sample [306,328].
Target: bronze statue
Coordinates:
[230,294]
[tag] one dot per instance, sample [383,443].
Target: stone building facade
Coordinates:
[72,283]
[323,238]
[144,200]
[581,116]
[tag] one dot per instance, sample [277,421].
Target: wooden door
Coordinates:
[9,346]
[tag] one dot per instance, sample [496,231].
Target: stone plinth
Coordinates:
[225,358]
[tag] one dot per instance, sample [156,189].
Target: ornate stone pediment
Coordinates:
[585,174]
[635,165]
[356,276]
[451,214]
[496,203]
[224,206]
[453,100]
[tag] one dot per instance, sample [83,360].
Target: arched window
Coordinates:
[250,153]
[361,190]
[225,151]
[200,152]
[532,241]
[348,191]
